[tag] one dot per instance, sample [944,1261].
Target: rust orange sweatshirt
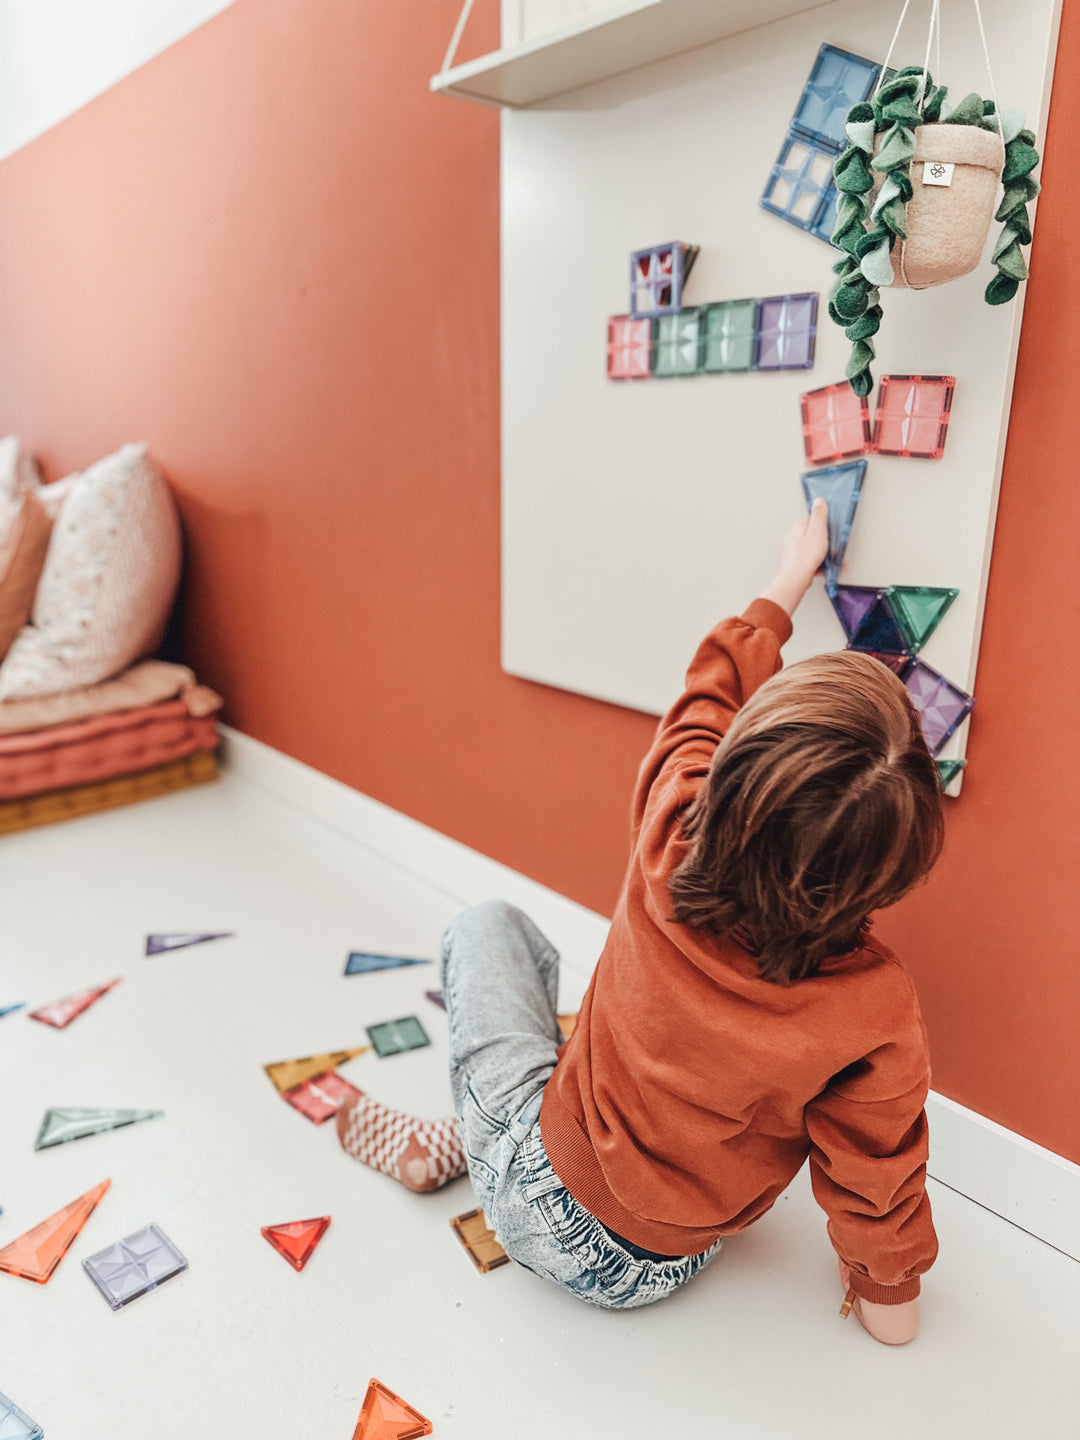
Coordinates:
[692,1090]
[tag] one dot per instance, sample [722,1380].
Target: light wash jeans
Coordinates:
[500,979]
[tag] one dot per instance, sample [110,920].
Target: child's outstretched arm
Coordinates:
[733,660]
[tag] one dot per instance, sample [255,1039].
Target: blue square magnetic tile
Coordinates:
[838,81]
[360,963]
[800,186]
[825,226]
[657,278]
[134,1265]
[15,1424]
[785,332]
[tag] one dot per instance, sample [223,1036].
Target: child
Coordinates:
[741,1018]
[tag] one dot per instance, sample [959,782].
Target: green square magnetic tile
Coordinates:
[394,1036]
[729,336]
[677,344]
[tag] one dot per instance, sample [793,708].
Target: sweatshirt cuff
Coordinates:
[766,614]
[876,1294]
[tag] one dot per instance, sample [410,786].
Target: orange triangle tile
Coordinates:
[386,1416]
[287,1074]
[297,1240]
[35,1255]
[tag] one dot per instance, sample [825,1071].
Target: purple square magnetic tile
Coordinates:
[941,704]
[786,332]
[134,1265]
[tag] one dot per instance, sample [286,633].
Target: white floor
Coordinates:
[243,1346]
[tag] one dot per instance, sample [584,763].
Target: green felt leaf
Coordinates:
[904,84]
[1007,237]
[850,301]
[894,215]
[1028,137]
[1012,122]
[1022,225]
[1020,158]
[1011,262]
[862,352]
[871,239]
[849,209]
[902,110]
[850,173]
[862,383]
[860,133]
[968,112]
[898,149]
[866,325]
[932,105]
[876,266]
[1001,289]
[1014,198]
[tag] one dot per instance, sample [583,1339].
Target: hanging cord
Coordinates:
[455,38]
[932,29]
[892,47]
[990,73]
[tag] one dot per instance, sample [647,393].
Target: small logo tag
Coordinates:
[936,172]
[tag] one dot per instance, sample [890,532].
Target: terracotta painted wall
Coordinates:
[273,255]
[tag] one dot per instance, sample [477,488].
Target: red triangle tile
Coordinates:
[385,1416]
[297,1240]
[61,1012]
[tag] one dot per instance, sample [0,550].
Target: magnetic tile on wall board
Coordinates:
[919,610]
[360,963]
[437,998]
[296,1239]
[840,487]
[287,1074]
[785,332]
[15,1424]
[824,227]
[35,1255]
[948,771]
[941,704]
[134,1266]
[836,424]
[629,348]
[728,340]
[879,630]
[896,663]
[479,1241]
[852,604]
[386,1416]
[912,415]
[394,1036]
[658,276]
[158,944]
[59,1013]
[320,1098]
[63,1124]
[800,185]
[837,81]
[10,1009]
[677,344]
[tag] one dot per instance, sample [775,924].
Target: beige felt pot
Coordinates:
[948,225]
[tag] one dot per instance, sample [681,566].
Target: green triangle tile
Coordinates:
[60,1125]
[948,770]
[919,610]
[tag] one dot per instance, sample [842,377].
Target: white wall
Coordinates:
[56,55]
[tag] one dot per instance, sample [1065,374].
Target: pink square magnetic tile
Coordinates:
[912,416]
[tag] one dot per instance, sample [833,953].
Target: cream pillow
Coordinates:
[109,581]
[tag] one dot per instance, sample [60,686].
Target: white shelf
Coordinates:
[629,35]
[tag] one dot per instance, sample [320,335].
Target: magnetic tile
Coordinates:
[786,331]
[394,1036]
[852,604]
[837,81]
[478,1239]
[840,486]
[287,1074]
[437,998]
[800,185]
[59,1013]
[912,415]
[941,704]
[948,770]
[824,227]
[728,340]
[10,1009]
[15,1424]
[896,663]
[360,963]
[677,344]
[158,944]
[919,610]
[35,1255]
[658,276]
[836,424]
[135,1265]
[629,348]
[386,1416]
[879,629]
[318,1099]
[63,1124]
[296,1240]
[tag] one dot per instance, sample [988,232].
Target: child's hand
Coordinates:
[891,1324]
[802,551]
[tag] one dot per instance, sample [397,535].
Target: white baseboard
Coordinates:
[1024,1183]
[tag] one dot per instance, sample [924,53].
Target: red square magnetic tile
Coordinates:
[912,416]
[836,424]
[318,1099]
[629,348]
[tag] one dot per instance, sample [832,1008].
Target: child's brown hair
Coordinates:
[822,804]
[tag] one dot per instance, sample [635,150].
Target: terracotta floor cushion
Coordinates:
[195,769]
[101,747]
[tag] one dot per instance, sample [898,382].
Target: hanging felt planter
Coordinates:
[917,195]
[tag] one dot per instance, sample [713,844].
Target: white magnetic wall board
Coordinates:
[638,513]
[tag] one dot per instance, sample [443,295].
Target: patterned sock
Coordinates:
[422,1154]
